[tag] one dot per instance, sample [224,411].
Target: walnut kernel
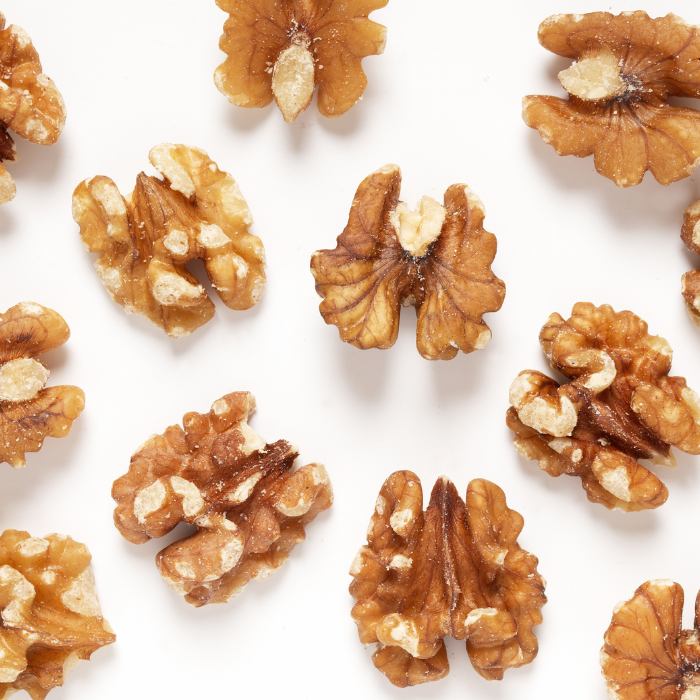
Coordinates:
[690,285]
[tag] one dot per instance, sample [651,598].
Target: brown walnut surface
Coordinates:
[442,266]
[285,48]
[145,240]
[28,411]
[455,569]
[249,508]
[620,406]
[627,66]
[51,617]
[690,284]
[646,655]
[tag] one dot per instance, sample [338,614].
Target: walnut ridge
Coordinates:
[690,284]
[455,569]
[620,406]
[437,259]
[145,241]
[627,66]
[249,508]
[51,617]
[28,411]
[285,49]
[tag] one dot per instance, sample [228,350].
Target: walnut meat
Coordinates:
[627,66]
[620,406]
[691,280]
[250,510]
[437,259]
[30,103]
[28,411]
[285,49]
[51,618]
[646,654]
[455,569]
[145,241]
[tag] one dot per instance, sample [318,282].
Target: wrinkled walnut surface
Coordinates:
[437,259]
[646,655]
[28,411]
[51,617]
[627,66]
[285,48]
[455,569]
[145,240]
[249,508]
[690,284]
[620,406]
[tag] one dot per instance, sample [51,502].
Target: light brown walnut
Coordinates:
[29,412]
[626,67]
[30,103]
[646,655]
[240,493]
[620,406]
[437,258]
[287,49]
[145,241]
[455,569]
[690,284]
[51,618]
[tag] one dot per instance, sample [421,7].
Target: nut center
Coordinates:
[416,230]
[293,78]
[22,380]
[595,78]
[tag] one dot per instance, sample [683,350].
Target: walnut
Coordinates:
[690,234]
[627,66]
[145,240]
[30,103]
[646,655]
[454,570]
[219,476]
[284,50]
[437,259]
[29,412]
[620,406]
[50,614]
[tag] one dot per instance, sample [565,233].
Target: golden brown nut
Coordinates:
[620,406]
[217,474]
[29,412]
[454,570]
[285,49]
[30,104]
[646,655]
[690,284]
[437,259]
[145,240]
[50,614]
[627,66]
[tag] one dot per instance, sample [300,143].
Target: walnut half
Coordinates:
[690,285]
[455,569]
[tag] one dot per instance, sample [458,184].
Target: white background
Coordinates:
[444,103]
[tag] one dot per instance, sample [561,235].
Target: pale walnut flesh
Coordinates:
[626,67]
[29,412]
[454,569]
[51,617]
[285,50]
[690,234]
[144,242]
[436,258]
[250,509]
[619,406]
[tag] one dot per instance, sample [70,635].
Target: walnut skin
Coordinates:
[218,475]
[30,104]
[285,49]
[690,284]
[646,656]
[145,241]
[437,259]
[620,406]
[454,570]
[50,614]
[29,412]
[627,66]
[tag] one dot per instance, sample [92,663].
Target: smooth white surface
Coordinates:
[444,103]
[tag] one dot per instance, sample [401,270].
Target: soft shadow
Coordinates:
[349,123]
[248,118]
[364,370]
[463,376]
[8,222]
[36,162]
[55,359]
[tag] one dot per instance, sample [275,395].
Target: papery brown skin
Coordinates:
[690,234]
[636,130]
[249,507]
[455,569]
[366,279]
